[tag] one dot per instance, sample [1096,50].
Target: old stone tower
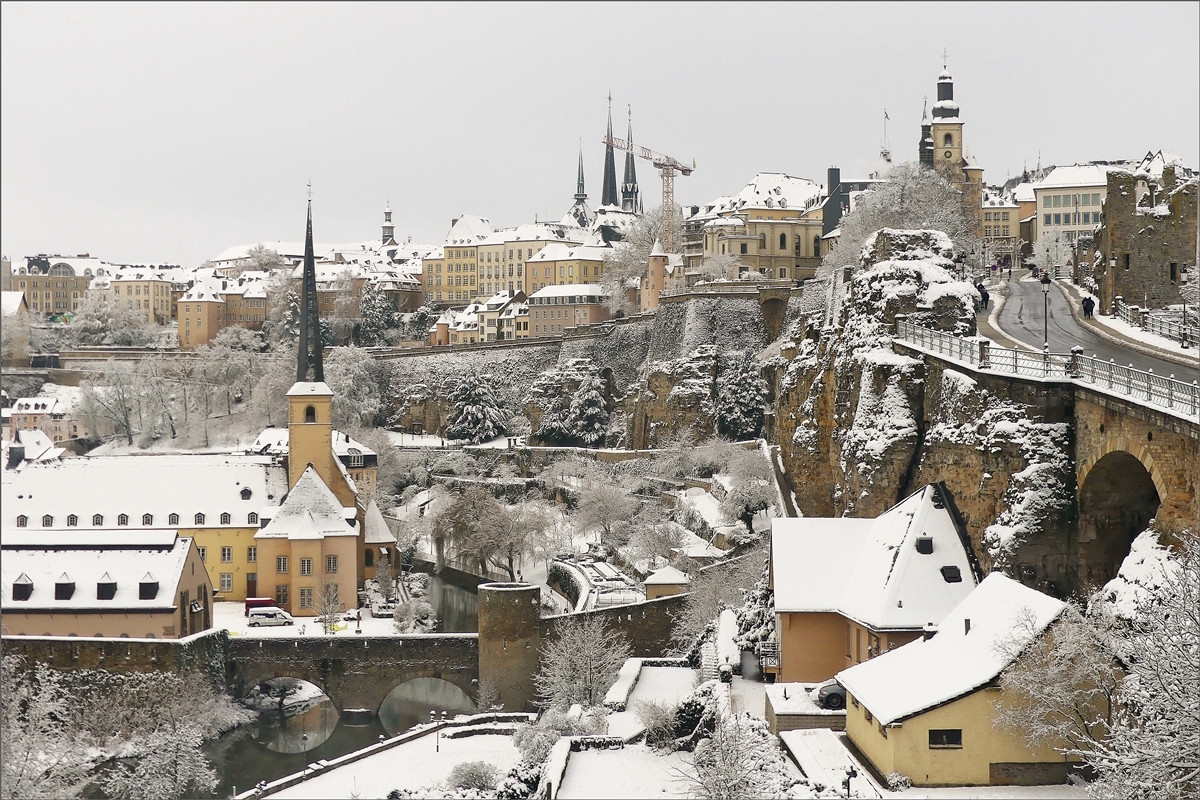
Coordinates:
[510,639]
[947,133]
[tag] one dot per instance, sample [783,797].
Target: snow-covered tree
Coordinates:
[353,376]
[282,325]
[41,756]
[740,397]
[276,372]
[414,616]
[605,506]
[740,759]
[328,605]
[341,324]
[377,314]
[114,398]
[1051,251]
[713,590]
[587,420]
[103,319]
[912,198]
[475,413]
[579,662]
[629,258]
[720,266]
[746,499]
[262,259]
[535,740]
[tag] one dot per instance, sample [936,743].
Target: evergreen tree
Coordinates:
[741,393]
[475,412]
[588,418]
[377,315]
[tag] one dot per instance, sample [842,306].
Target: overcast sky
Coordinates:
[167,133]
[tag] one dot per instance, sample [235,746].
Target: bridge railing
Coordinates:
[1144,387]
[1168,324]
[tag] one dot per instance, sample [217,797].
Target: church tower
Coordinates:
[389,230]
[608,195]
[925,146]
[310,401]
[630,199]
[947,132]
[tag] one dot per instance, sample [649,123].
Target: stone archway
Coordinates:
[410,702]
[1118,496]
[774,309]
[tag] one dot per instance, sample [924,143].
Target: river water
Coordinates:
[273,746]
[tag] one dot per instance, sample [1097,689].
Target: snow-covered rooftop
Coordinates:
[1075,175]
[10,302]
[770,190]
[549,293]
[468,230]
[274,441]
[558,251]
[874,571]
[310,511]
[135,485]
[1004,617]
[666,576]
[376,530]
[67,558]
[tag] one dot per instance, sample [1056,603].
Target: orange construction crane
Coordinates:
[667,167]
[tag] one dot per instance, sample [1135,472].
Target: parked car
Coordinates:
[258,602]
[831,694]
[270,616]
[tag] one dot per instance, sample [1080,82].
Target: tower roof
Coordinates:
[608,195]
[308,353]
[580,193]
[658,248]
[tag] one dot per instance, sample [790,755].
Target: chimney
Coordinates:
[966,626]
[929,631]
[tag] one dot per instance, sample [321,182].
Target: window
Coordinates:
[147,519]
[281,595]
[331,563]
[172,519]
[948,141]
[1045,201]
[226,583]
[97,519]
[356,457]
[1096,199]
[203,554]
[252,518]
[47,521]
[281,564]
[246,493]
[1046,221]
[199,519]
[310,414]
[951,737]
[306,566]
[368,557]
[226,554]
[72,521]
[951,574]
[306,597]
[783,241]
[762,242]
[1058,219]
[1005,216]
[225,518]
[252,554]
[122,519]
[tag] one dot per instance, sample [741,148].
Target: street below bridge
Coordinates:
[1022,318]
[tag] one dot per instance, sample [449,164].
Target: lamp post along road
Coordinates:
[1046,310]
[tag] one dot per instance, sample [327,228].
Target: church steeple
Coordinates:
[630,201]
[308,354]
[389,230]
[608,196]
[925,146]
[580,194]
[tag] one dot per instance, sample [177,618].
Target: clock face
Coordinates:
[947,154]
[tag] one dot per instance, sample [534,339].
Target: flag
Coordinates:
[885,114]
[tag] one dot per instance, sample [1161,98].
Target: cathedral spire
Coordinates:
[308,354]
[629,188]
[580,194]
[608,196]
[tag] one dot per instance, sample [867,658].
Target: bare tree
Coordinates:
[721,266]
[260,258]
[114,398]
[580,662]
[605,506]
[713,589]
[328,605]
[741,759]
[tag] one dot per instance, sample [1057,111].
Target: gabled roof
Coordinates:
[468,230]
[376,530]
[1005,617]
[310,511]
[666,576]
[12,302]
[870,570]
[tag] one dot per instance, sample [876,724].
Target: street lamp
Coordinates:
[1046,310]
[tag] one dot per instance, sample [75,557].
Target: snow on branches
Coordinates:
[475,413]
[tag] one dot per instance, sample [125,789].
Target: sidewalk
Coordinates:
[1074,295]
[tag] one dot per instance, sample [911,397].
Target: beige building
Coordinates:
[928,709]
[50,415]
[554,308]
[847,589]
[56,285]
[1070,203]
[488,317]
[114,583]
[666,582]
[1001,226]
[149,290]
[560,264]
[202,314]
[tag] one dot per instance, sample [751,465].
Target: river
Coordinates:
[272,747]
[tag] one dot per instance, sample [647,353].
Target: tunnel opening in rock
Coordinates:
[1117,500]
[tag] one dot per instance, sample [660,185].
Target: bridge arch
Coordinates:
[1120,490]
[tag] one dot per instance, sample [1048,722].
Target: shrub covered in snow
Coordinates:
[535,740]
[658,718]
[741,758]
[473,775]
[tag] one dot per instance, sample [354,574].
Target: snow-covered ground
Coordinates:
[232,617]
[1120,326]
[824,759]
[654,684]
[748,697]
[418,764]
[635,771]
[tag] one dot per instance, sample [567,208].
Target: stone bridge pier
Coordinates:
[354,672]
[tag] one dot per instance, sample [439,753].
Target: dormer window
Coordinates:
[925,545]
[72,521]
[252,518]
[97,519]
[122,519]
[148,587]
[22,521]
[22,588]
[199,519]
[47,521]
[172,519]
[225,518]
[356,457]
[64,588]
[246,493]
[147,519]
[106,588]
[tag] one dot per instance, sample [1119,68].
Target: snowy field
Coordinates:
[232,617]
[418,764]
[632,772]
[661,684]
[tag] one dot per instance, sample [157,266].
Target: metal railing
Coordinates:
[1144,387]
[1168,324]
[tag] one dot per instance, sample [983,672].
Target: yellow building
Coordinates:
[115,583]
[56,285]
[554,308]
[666,582]
[847,590]
[928,709]
[1000,218]
[202,314]
[148,290]
[559,264]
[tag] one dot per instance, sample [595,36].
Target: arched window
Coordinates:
[252,518]
[22,521]
[199,519]
[225,518]
[97,519]
[72,521]
[172,519]
[246,493]
[122,519]
[147,519]
[47,521]
[949,141]
[783,241]
[816,247]
[310,414]
[762,242]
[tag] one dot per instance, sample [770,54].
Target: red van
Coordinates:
[258,602]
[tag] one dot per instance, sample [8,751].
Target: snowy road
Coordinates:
[1022,318]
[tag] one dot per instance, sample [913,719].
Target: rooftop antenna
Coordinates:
[945,58]
[310,188]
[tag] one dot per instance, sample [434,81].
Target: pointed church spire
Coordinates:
[629,187]
[608,196]
[580,194]
[308,354]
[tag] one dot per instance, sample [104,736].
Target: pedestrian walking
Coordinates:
[1089,305]
[985,299]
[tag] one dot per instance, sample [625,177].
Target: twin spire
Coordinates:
[308,353]
[629,199]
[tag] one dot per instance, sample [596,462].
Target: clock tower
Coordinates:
[946,131]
